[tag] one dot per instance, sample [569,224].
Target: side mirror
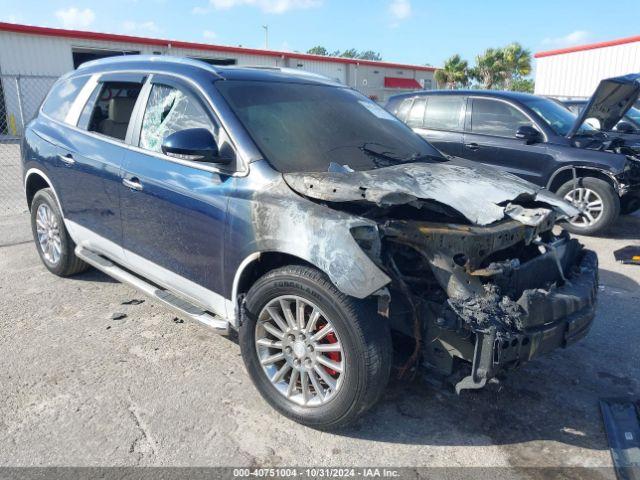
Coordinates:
[194,144]
[625,127]
[528,134]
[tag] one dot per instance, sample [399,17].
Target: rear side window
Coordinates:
[403,110]
[170,110]
[492,117]
[61,97]
[109,108]
[444,112]
[416,116]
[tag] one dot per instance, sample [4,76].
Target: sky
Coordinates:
[405,31]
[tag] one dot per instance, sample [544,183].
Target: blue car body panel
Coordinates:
[178,220]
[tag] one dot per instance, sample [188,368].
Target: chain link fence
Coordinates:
[20,98]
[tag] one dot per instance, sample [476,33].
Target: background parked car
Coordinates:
[535,138]
[628,125]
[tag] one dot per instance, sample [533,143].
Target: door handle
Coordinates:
[133,183]
[472,146]
[66,159]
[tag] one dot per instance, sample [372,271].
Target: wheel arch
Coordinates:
[257,264]
[36,180]
[564,174]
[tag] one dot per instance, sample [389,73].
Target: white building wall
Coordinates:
[333,70]
[577,74]
[48,57]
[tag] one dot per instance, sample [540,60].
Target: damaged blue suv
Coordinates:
[304,216]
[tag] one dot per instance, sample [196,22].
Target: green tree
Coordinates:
[318,50]
[351,53]
[370,55]
[490,68]
[523,85]
[454,73]
[516,62]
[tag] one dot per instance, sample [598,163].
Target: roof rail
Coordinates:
[124,59]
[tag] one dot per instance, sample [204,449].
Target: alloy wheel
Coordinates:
[588,202]
[48,233]
[299,350]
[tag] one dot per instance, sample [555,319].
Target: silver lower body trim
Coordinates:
[183,308]
[190,291]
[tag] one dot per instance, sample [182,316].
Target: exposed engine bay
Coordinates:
[478,287]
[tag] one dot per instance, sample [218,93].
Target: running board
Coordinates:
[184,308]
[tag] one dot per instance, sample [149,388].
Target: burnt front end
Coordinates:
[476,282]
[479,301]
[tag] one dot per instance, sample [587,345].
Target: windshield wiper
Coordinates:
[414,157]
[390,159]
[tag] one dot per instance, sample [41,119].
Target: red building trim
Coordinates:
[110,37]
[591,46]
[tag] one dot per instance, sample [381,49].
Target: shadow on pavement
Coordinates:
[626,228]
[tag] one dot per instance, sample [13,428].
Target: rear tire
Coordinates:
[591,191]
[54,245]
[363,336]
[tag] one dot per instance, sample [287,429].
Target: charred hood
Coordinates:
[609,103]
[483,195]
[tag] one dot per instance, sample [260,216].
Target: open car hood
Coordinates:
[611,100]
[482,194]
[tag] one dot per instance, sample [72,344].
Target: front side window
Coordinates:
[170,110]
[556,116]
[416,116]
[108,110]
[443,112]
[61,97]
[492,117]
[307,127]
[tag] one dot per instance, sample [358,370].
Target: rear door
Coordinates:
[92,160]
[174,211]
[440,119]
[489,138]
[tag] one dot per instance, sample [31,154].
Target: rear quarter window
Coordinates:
[444,112]
[403,109]
[61,97]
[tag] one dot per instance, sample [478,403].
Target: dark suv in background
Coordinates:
[539,140]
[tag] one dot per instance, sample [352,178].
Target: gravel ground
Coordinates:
[81,389]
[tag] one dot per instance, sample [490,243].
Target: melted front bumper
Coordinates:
[567,314]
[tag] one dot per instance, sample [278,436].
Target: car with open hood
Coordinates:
[302,215]
[628,128]
[539,140]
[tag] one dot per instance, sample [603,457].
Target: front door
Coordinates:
[490,138]
[173,211]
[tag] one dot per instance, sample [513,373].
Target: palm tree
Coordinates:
[517,63]
[453,73]
[490,68]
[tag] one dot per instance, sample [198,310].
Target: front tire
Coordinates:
[598,200]
[54,245]
[316,355]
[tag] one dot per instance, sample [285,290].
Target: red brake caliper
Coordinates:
[334,356]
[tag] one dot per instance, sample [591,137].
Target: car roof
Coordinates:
[518,96]
[186,66]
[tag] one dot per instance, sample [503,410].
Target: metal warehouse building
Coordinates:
[31,58]
[576,71]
